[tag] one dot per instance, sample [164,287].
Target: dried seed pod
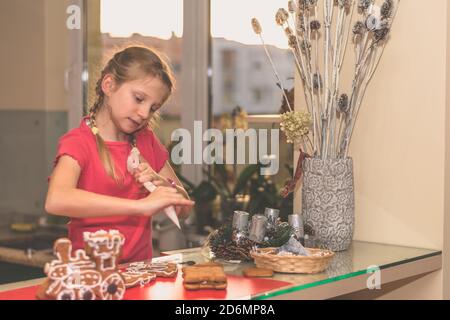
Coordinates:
[359,28]
[381,34]
[343,105]
[364,4]
[256,26]
[315,25]
[301,24]
[387,9]
[292,41]
[317,81]
[281,17]
[305,46]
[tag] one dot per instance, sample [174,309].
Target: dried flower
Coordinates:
[240,118]
[364,4]
[225,122]
[295,125]
[315,25]
[343,105]
[359,28]
[386,9]
[282,16]
[317,81]
[256,26]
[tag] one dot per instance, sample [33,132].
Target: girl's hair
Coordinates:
[129,64]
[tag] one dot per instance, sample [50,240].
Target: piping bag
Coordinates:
[133,162]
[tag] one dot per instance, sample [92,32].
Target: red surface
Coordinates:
[172,289]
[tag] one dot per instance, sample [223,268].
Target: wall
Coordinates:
[399,144]
[32,100]
[22,55]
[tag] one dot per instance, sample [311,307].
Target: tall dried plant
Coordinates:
[323,29]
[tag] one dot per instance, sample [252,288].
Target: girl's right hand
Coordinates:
[160,199]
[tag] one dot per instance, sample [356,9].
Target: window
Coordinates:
[239,58]
[241,73]
[34,105]
[153,23]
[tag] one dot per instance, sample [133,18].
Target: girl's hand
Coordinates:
[144,173]
[162,198]
[183,212]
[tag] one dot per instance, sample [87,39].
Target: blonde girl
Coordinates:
[90,182]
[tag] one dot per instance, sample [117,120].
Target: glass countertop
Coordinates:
[361,258]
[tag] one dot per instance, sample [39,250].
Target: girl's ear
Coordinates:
[108,84]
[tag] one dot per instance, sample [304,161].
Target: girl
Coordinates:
[90,182]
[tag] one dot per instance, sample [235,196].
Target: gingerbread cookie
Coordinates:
[161,269]
[88,274]
[258,272]
[204,277]
[135,278]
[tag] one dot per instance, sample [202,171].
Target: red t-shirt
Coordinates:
[80,144]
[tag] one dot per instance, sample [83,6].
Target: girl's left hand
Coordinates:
[183,212]
[144,173]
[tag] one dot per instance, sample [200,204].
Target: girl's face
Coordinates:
[132,104]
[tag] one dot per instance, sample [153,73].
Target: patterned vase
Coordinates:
[328,203]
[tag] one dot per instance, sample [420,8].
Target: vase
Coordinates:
[328,203]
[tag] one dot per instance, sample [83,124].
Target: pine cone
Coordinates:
[231,251]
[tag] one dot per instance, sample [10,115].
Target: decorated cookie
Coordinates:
[135,278]
[160,269]
[87,274]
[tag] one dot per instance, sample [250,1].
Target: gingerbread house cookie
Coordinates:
[88,274]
